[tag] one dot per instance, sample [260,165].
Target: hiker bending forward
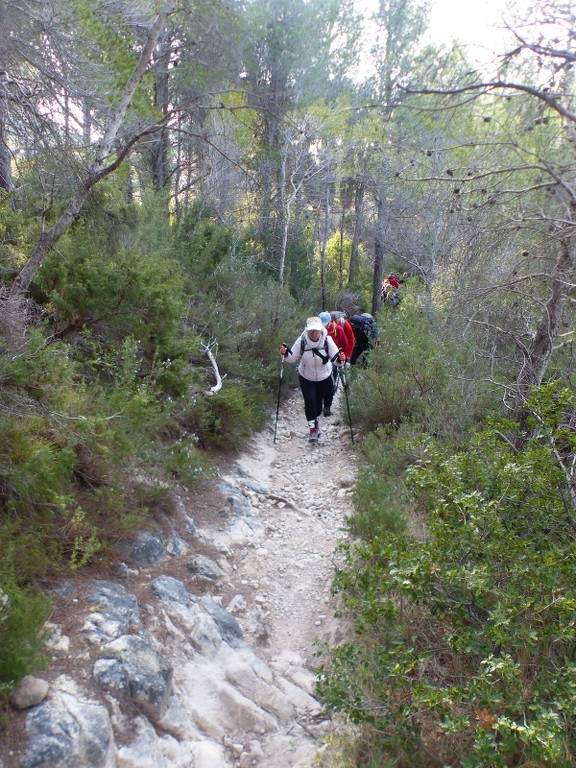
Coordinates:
[317,353]
[336,332]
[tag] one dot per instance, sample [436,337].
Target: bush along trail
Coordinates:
[197,648]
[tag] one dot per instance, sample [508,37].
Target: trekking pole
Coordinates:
[336,380]
[337,372]
[279,391]
[345,385]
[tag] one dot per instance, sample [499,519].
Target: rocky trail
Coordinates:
[199,650]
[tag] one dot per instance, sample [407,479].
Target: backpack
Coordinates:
[366,323]
[338,317]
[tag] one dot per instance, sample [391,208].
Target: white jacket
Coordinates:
[311,365]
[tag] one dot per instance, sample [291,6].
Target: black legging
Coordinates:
[330,392]
[314,393]
[361,344]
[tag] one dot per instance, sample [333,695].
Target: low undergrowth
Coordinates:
[464,646]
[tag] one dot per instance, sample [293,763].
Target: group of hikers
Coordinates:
[328,343]
[390,288]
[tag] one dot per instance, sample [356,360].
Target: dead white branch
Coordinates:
[219,379]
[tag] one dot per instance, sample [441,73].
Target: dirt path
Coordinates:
[312,486]
[290,572]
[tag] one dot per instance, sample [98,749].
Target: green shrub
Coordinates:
[407,374]
[22,616]
[413,376]
[224,420]
[465,647]
[185,462]
[378,498]
[66,459]
[125,295]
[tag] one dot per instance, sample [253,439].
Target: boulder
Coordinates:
[69,730]
[131,669]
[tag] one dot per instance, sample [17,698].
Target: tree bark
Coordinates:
[5,157]
[327,211]
[159,148]
[358,224]
[378,253]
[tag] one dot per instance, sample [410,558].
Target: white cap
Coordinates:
[314,324]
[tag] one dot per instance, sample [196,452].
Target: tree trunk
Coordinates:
[159,147]
[358,224]
[285,209]
[102,165]
[5,157]
[49,238]
[378,254]
[86,123]
[323,247]
[538,352]
[341,244]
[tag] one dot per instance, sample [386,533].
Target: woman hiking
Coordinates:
[317,353]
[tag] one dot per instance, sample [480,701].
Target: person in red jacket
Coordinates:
[341,319]
[394,281]
[336,332]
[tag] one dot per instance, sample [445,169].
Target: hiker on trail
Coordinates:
[340,318]
[316,353]
[336,332]
[365,334]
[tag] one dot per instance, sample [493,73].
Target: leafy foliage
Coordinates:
[22,615]
[408,376]
[465,647]
[378,493]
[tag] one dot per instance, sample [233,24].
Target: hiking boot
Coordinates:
[327,412]
[314,435]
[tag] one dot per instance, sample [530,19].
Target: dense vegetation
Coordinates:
[182,183]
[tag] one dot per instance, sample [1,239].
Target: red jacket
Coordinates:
[342,333]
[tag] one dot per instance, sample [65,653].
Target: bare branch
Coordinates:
[484,88]
[219,379]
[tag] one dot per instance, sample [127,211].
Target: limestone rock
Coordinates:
[69,730]
[131,669]
[205,568]
[29,692]
[148,550]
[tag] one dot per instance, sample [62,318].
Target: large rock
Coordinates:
[239,504]
[148,550]
[68,731]
[131,669]
[101,627]
[228,626]
[205,568]
[171,589]
[144,751]
[114,600]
